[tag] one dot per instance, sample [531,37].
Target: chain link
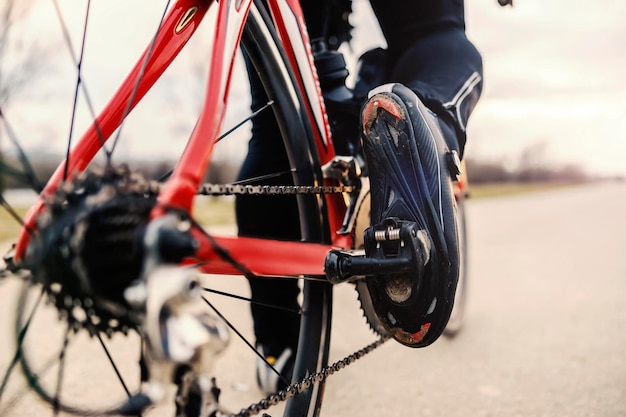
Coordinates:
[308,381]
[238,189]
[232,189]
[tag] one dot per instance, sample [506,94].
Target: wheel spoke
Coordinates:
[80,81]
[20,340]
[56,400]
[140,76]
[246,181]
[113,365]
[14,214]
[29,172]
[250,300]
[18,175]
[245,340]
[263,177]
[79,65]
[228,132]
[241,123]
[224,254]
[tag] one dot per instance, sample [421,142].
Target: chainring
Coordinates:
[365,298]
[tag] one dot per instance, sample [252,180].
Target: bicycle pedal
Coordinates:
[393,237]
[391,247]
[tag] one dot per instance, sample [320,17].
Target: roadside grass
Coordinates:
[488,190]
[9,227]
[212,211]
[207,211]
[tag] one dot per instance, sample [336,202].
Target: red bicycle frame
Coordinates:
[256,255]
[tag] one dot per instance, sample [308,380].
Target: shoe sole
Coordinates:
[391,148]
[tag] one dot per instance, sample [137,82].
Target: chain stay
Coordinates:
[308,381]
[317,377]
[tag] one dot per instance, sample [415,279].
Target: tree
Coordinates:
[24,58]
[19,63]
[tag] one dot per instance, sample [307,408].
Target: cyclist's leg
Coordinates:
[276,216]
[273,217]
[328,20]
[430,53]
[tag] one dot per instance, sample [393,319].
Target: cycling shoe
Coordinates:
[411,172]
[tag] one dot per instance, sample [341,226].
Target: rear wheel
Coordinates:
[59,366]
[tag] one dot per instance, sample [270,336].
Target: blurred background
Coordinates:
[545,320]
[553,106]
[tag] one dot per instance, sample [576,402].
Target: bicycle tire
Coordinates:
[457,317]
[265,51]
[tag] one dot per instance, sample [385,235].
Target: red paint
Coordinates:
[419,336]
[263,257]
[167,46]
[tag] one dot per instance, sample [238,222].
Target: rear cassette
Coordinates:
[88,249]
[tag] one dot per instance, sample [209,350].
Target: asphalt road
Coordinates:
[545,332]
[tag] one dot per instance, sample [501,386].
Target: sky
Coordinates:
[554,79]
[555,72]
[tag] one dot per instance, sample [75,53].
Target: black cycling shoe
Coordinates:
[411,172]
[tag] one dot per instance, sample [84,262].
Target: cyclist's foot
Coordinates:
[410,168]
[282,360]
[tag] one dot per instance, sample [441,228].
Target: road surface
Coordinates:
[545,333]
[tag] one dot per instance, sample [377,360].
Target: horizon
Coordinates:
[553,80]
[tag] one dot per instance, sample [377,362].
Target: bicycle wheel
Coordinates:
[266,54]
[265,51]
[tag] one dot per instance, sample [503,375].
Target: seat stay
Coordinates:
[177,28]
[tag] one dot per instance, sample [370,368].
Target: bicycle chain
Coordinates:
[317,377]
[307,382]
[237,189]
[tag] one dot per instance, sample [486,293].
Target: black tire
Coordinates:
[456,321]
[265,52]
[267,55]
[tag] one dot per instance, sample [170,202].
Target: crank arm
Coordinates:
[343,266]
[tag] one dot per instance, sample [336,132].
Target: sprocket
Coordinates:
[87,250]
[365,299]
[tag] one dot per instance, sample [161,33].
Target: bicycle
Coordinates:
[82,214]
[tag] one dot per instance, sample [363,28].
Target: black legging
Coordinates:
[429,53]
